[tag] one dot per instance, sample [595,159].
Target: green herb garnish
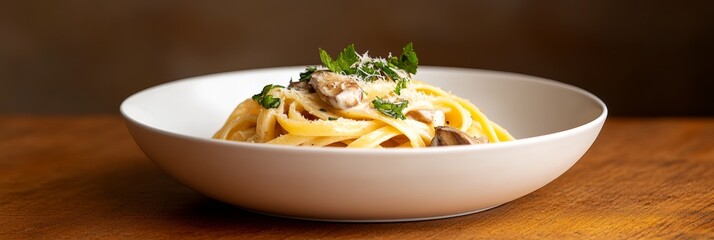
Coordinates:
[393,110]
[331,118]
[401,83]
[388,70]
[408,61]
[265,100]
[305,76]
[348,62]
[343,63]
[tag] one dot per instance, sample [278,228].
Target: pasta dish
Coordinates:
[358,101]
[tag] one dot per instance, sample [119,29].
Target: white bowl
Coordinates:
[555,124]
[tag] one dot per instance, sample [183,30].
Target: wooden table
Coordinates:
[72,177]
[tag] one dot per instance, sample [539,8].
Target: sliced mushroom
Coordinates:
[340,91]
[434,117]
[449,136]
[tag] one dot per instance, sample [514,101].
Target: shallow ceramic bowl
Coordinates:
[555,125]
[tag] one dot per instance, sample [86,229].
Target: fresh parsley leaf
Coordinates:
[270,102]
[368,73]
[265,100]
[393,110]
[408,61]
[305,76]
[401,83]
[347,58]
[389,71]
[344,61]
[327,61]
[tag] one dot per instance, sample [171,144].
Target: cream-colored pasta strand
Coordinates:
[374,138]
[303,119]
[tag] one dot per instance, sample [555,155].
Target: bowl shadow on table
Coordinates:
[216,215]
[143,189]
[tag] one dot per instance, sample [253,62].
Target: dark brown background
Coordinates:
[640,57]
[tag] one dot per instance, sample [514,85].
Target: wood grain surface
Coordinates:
[79,177]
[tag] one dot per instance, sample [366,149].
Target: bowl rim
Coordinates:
[386,151]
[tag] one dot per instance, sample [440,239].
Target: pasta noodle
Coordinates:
[302,119]
[359,102]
